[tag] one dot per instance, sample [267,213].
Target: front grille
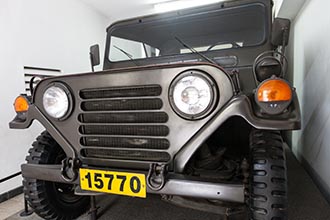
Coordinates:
[125,142]
[123,104]
[125,154]
[136,130]
[132,117]
[124,123]
[115,92]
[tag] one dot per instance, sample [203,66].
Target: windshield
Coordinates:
[206,32]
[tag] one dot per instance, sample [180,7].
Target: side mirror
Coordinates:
[280,32]
[94,54]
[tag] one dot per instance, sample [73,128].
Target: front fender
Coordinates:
[239,106]
[35,113]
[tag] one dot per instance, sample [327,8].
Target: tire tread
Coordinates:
[35,190]
[268,187]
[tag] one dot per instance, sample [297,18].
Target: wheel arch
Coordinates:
[239,106]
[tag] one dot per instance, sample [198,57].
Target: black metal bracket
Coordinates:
[26,211]
[93,210]
[235,78]
[156,176]
[69,170]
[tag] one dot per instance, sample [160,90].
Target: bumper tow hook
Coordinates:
[69,170]
[156,176]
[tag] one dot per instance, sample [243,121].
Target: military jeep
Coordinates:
[191,105]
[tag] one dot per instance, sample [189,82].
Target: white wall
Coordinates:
[58,34]
[51,34]
[310,55]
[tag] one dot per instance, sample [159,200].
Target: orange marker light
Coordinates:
[21,104]
[274,90]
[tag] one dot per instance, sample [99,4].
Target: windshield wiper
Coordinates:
[130,56]
[195,51]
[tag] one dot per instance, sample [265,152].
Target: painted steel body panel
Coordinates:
[185,136]
[181,129]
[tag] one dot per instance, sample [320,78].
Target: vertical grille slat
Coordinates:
[113,128]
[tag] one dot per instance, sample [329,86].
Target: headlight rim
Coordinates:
[213,89]
[68,93]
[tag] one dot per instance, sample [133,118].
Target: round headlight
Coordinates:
[56,101]
[192,95]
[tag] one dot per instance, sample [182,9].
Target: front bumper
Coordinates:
[178,185]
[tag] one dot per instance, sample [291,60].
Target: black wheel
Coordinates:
[48,199]
[268,180]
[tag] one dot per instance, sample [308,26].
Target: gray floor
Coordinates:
[305,203]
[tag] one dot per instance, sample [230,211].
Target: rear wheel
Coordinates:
[48,199]
[268,179]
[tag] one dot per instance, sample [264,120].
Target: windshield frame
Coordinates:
[185,14]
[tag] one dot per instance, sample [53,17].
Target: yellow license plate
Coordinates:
[121,183]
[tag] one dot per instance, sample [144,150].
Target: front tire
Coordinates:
[48,199]
[268,178]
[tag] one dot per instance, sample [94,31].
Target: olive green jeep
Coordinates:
[191,105]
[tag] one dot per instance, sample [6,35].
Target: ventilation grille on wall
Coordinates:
[38,73]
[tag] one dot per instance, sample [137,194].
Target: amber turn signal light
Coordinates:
[21,104]
[274,90]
